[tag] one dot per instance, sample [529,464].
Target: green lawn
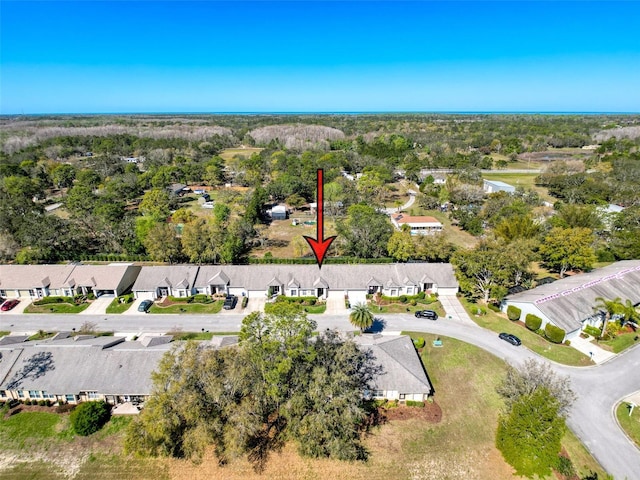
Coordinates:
[57,308]
[630,424]
[408,308]
[3,333]
[187,308]
[498,322]
[198,335]
[28,429]
[41,335]
[118,306]
[316,309]
[620,343]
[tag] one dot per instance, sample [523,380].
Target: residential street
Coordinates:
[598,388]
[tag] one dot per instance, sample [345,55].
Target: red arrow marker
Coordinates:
[321,244]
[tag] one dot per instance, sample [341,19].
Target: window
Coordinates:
[409,290]
[294,293]
[21,393]
[32,293]
[402,396]
[70,398]
[92,395]
[3,393]
[35,394]
[428,286]
[378,393]
[48,395]
[3,293]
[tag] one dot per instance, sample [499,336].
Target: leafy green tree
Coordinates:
[530,434]
[610,308]
[80,201]
[155,204]
[401,246]
[519,226]
[63,175]
[280,383]
[364,233]
[200,241]
[162,243]
[89,417]
[568,248]
[360,316]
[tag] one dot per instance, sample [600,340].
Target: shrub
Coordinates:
[27,402]
[403,299]
[593,331]
[413,303]
[413,403]
[553,333]
[89,417]
[493,307]
[513,313]
[419,342]
[565,467]
[533,322]
[567,343]
[245,301]
[200,298]
[42,403]
[65,408]
[421,295]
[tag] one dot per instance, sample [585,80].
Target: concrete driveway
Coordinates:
[24,303]
[98,306]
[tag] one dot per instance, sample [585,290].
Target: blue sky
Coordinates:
[110,57]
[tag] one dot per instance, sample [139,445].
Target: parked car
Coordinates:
[9,304]
[145,305]
[512,339]
[230,302]
[429,314]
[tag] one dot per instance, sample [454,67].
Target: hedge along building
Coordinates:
[569,303]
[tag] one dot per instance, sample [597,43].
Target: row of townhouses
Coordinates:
[74,369]
[353,282]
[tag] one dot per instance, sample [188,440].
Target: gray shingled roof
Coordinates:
[30,276]
[107,365]
[568,301]
[172,275]
[402,369]
[103,277]
[336,277]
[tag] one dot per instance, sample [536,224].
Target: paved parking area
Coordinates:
[98,306]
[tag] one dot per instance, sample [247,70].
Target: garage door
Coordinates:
[357,296]
[144,295]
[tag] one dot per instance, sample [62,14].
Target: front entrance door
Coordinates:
[163,291]
[320,292]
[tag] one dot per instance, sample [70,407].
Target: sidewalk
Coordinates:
[590,349]
[455,310]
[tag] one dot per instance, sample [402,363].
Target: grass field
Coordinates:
[229,153]
[461,446]
[630,424]
[498,322]
[525,180]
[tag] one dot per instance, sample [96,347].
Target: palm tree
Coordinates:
[610,307]
[361,316]
[629,313]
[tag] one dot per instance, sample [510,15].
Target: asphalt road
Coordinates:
[599,388]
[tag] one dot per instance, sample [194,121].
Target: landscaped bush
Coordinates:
[403,299]
[245,301]
[419,342]
[89,417]
[513,313]
[533,322]
[50,300]
[200,298]
[65,408]
[42,403]
[565,467]
[593,331]
[413,403]
[493,307]
[421,295]
[27,402]
[553,333]
[300,300]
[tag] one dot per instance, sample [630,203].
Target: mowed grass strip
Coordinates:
[630,424]
[497,322]
[186,308]
[620,343]
[118,306]
[56,308]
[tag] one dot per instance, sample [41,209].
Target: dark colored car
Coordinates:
[230,302]
[512,339]
[429,314]
[145,305]
[9,304]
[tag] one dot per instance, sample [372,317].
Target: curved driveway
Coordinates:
[599,388]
